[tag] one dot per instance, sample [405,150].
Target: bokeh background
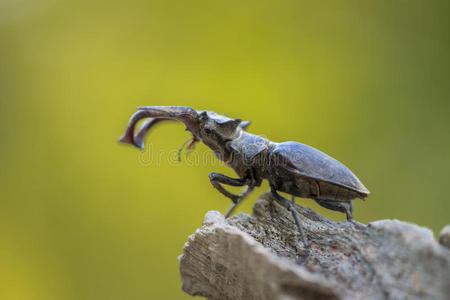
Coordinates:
[83,217]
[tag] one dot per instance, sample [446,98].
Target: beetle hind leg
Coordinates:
[337,206]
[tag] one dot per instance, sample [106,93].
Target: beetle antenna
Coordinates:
[190,150]
[182,147]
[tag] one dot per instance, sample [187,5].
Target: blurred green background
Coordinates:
[83,217]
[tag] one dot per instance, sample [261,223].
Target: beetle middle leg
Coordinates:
[337,206]
[218,179]
[350,207]
[290,206]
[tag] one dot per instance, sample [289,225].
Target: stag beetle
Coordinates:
[289,167]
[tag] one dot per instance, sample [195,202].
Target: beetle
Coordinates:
[290,167]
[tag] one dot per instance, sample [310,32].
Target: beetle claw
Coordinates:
[156,114]
[127,138]
[146,126]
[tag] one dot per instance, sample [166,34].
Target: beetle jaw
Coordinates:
[155,114]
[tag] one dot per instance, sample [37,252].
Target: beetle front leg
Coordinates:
[216,180]
[242,196]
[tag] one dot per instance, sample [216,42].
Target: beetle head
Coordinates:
[217,129]
[213,129]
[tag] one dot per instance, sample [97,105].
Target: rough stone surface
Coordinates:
[256,257]
[444,236]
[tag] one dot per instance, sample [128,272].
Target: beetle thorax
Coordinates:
[248,154]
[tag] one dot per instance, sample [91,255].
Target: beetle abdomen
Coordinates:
[326,177]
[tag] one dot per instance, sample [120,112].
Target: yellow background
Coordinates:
[82,217]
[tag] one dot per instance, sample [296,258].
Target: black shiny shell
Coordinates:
[311,163]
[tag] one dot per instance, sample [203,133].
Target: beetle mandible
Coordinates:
[289,167]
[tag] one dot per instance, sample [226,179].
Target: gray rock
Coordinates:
[444,236]
[257,257]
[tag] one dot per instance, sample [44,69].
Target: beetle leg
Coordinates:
[216,180]
[242,196]
[350,207]
[337,206]
[289,206]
